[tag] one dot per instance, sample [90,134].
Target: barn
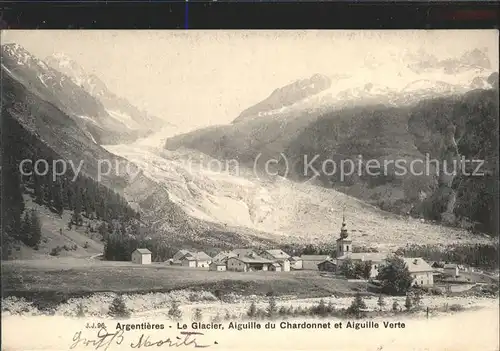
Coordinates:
[217,266]
[328,266]
[141,256]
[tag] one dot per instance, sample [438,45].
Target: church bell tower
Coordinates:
[344,244]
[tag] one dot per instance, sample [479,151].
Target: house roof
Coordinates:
[143,251]
[180,254]
[252,259]
[276,264]
[364,256]
[243,252]
[223,255]
[451,265]
[278,254]
[417,265]
[201,256]
[328,261]
[295,258]
[218,263]
[314,257]
[191,255]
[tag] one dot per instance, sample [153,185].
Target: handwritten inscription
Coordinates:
[105,339]
[189,339]
[102,342]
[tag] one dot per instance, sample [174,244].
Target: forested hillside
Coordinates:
[80,194]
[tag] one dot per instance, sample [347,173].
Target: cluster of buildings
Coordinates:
[239,260]
[250,260]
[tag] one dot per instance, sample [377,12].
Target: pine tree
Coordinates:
[197,316]
[36,230]
[357,305]
[395,306]
[25,234]
[394,276]
[272,307]
[80,310]
[118,309]
[381,302]
[37,188]
[408,303]
[58,198]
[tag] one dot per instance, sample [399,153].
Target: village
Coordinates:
[275,260]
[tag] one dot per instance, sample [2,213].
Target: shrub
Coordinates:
[175,312]
[217,318]
[436,291]
[252,310]
[456,307]
[320,309]
[395,306]
[56,251]
[282,311]
[86,245]
[118,309]
[417,298]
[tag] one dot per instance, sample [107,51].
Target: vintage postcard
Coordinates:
[250,190]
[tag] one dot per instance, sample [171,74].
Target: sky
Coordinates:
[210,77]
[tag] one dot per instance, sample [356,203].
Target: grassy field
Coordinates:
[60,278]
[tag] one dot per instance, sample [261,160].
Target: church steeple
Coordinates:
[343,230]
[344,244]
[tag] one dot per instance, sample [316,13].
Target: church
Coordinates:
[421,272]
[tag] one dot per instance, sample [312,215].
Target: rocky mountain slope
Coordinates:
[118,108]
[36,124]
[333,121]
[99,113]
[273,209]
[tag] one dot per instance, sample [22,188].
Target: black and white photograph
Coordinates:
[250,190]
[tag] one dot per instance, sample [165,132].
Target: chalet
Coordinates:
[141,256]
[310,262]
[217,266]
[328,266]
[421,272]
[278,256]
[295,262]
[202,259]
[451,270]
[191,259]
[248,263]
